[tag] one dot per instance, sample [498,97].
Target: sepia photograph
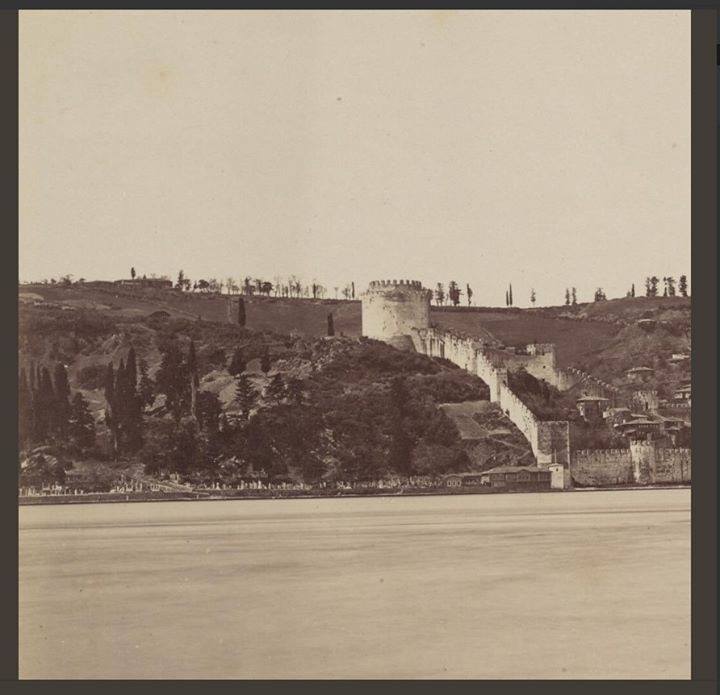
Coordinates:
[354,345]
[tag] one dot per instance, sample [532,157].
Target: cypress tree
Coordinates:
[330,325]
[145,386]
[132,405]
[245,396]
[61,403]
[81,426]
[194,380]
[110,415]
[265,362]
[171,380]
[241,312]
[44,400]
[25,409]
[237,362]
[682,286]
[131,372]
[276,391]
[401,443]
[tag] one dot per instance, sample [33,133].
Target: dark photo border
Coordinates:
[705,128]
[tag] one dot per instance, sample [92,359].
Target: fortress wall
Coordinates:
[643,455]
[541,363]
[600,467]
[553,442]
[672,466]
[549,441]
[521,416]
[643,463]
[592,386]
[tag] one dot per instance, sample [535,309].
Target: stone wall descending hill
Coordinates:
[549,441]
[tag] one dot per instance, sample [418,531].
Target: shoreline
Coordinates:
[122,498]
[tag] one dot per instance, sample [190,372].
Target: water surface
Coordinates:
[566,585]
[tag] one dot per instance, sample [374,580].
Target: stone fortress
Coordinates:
[397,312]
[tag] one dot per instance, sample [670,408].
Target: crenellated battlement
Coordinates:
[384,284]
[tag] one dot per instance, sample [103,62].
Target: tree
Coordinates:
[600,295]
[241,312]
[683,287]
[352,284]
[245,396]
[510,295]
[25,409]
[238,363]
[132,273]
[439,294]
[127,406]
[653,286]
[61,404]
[81,426]
[468,294]
[670,282]
[111,421]
[172,379]
[295,391]
[145,385]
[209,410]
[632,290]
[276,391]
[532,297]
[567,296]
[265,362]
[574,297]
[330,325]
[180,284]
[192,367]
[507,298]
[401,443]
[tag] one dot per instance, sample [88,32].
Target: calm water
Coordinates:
[583,585]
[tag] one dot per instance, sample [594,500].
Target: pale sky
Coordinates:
[547,149]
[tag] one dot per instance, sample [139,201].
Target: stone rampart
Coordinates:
[673,465]
[644,463]
[549,441]
[600,467]
[570,377]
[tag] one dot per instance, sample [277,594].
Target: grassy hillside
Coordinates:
[602,338]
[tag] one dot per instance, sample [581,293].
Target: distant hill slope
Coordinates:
[602,338]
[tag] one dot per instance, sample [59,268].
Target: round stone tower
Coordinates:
[393,309]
